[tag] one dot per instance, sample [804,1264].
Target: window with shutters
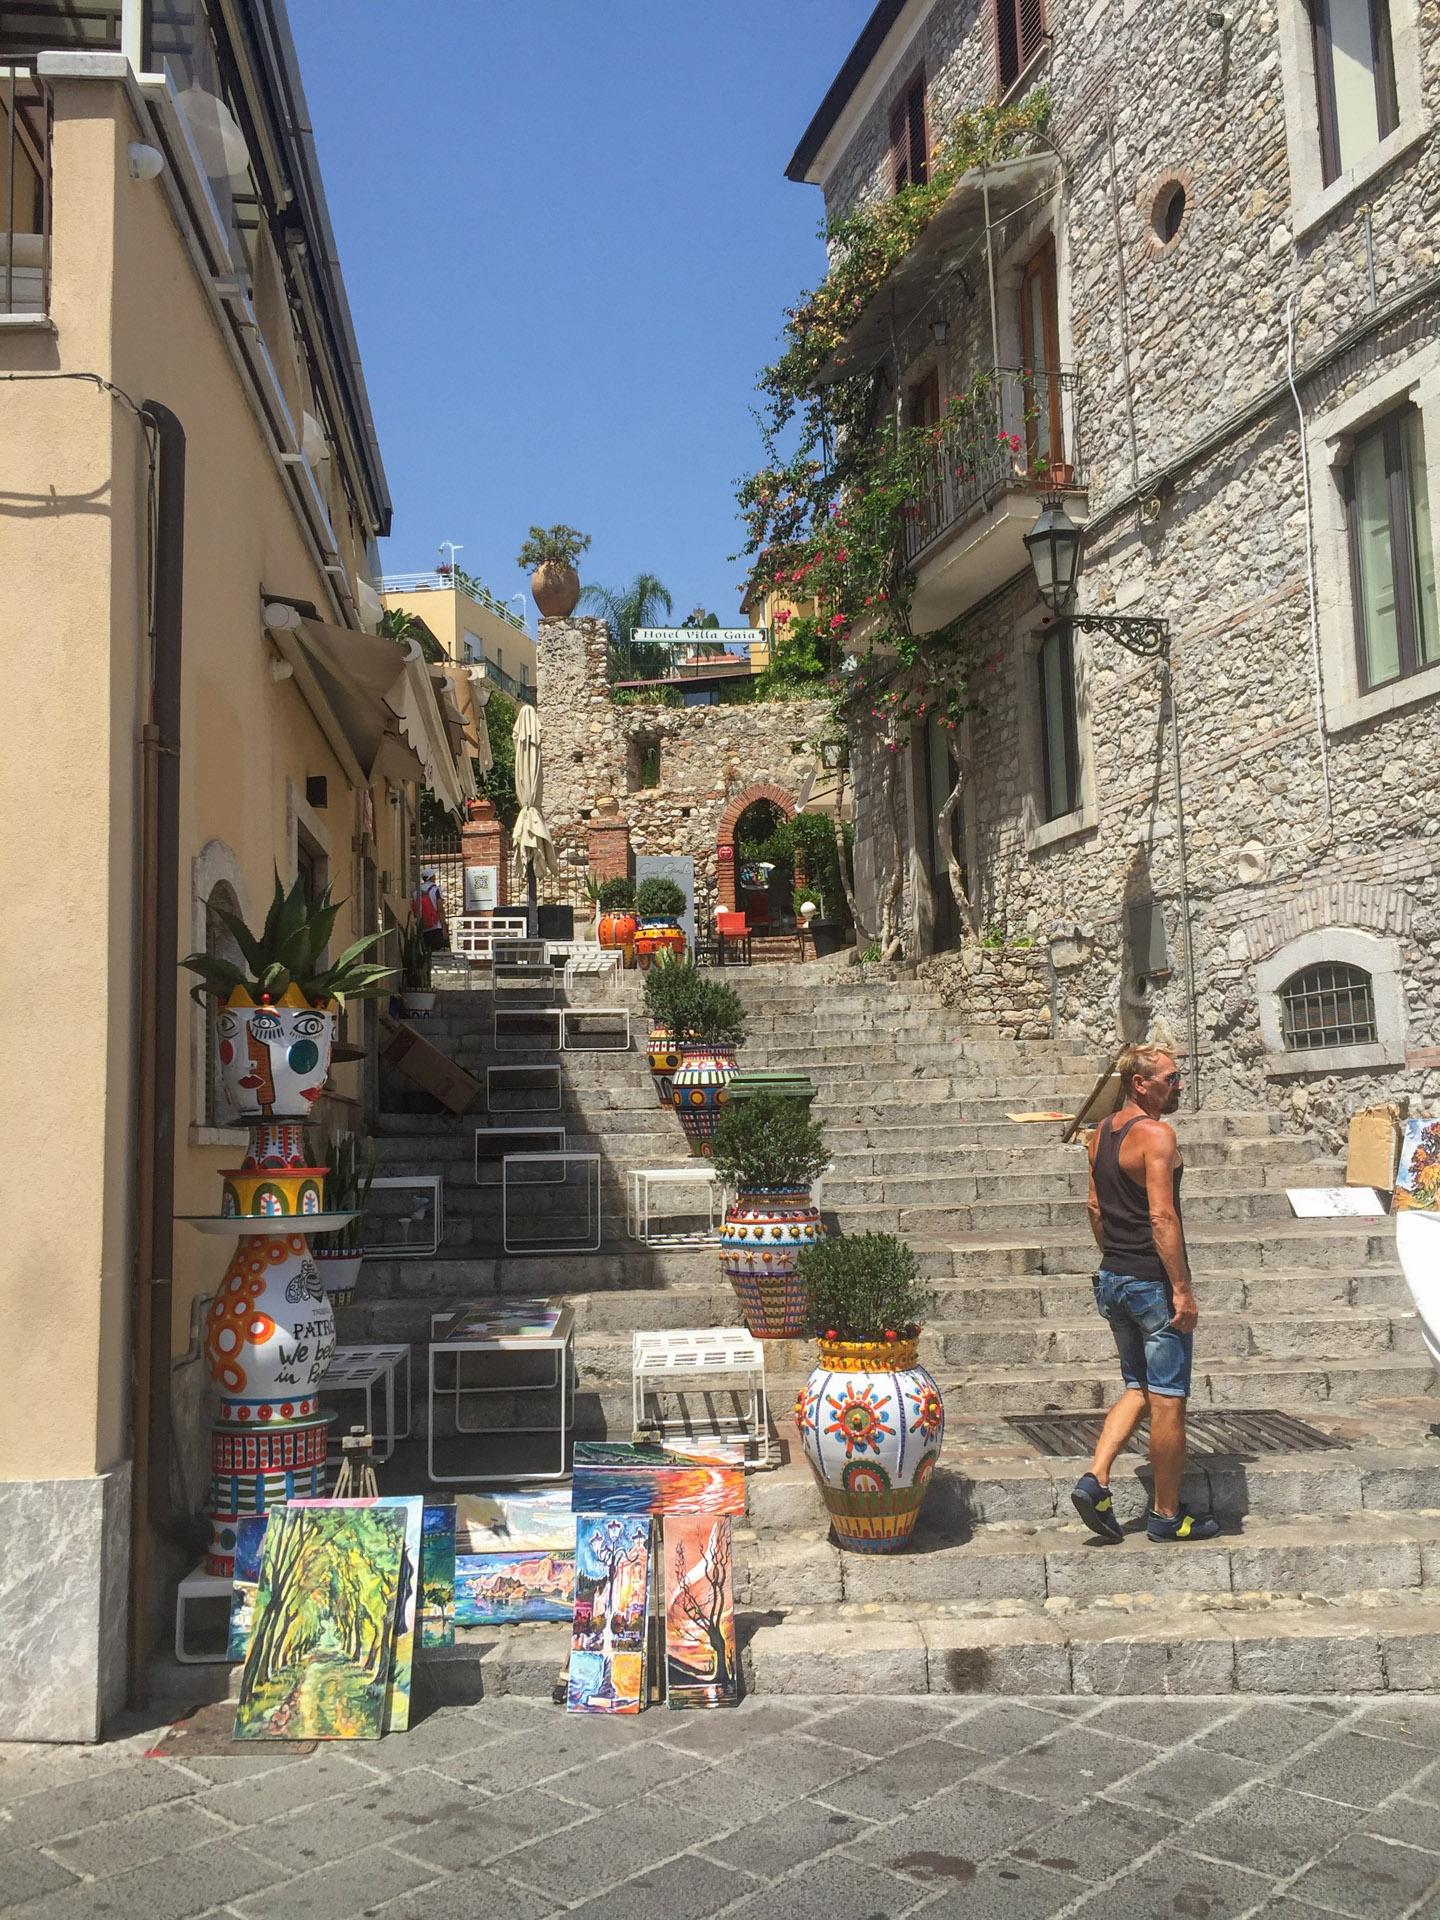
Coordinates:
[1059,732]
[1354,80]
[909,136]
[1019,36]
[1040,344]
[1392,552]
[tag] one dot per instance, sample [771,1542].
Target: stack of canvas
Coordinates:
[327,1596]
[624,1496]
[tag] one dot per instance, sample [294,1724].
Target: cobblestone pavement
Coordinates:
[873,1809]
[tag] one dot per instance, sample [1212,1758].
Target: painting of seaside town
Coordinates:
[499,1589]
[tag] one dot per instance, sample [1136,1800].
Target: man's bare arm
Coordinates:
[1161,1154]
[1092,1203]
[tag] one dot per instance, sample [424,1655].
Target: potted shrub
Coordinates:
[416,960]
[710,1025]
[659,906]
[278,1006]
[549,555]
[871,1418]
[769,1152]
[617,919]
[350,1168]
[665,985]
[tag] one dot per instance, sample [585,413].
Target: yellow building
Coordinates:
[471,625]
[196,700]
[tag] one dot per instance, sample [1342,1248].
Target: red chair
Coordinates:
[733,926]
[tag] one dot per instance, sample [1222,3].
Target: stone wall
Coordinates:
[1004,990]
[1302,811]
[713,760]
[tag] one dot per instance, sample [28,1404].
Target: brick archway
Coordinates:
[725,845]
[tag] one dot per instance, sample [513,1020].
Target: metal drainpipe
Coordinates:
[1167,688]
[150,1511]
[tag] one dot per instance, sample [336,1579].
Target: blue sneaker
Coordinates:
[1095,1507]
[1183,1526]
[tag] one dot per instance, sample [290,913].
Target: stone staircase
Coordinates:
[1327,1576]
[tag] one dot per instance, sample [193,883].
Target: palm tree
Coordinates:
[638,605]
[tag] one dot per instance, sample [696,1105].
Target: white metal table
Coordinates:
[611,1036]
[531,1328]
[669,1363]
[527,1173]
[640,1183]
[361,1370]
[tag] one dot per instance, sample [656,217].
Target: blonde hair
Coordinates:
[1141,1063]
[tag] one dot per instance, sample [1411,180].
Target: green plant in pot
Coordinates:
[350,1160]
[659,907]
[710,1024]
[416,959]
[769,1152]
[665,984]
[549,555]
[870,1417]
[616,927]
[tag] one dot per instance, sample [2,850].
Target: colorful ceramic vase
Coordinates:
[653,938]
[273,1058]
[618,930]
[699,1084]
[872,1423]
[760,1242]
[663,1053]
[339,1269]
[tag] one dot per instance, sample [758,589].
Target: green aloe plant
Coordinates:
[287,953]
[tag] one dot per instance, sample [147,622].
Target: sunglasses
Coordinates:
[1170,1079]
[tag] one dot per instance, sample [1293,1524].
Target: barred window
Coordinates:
[1332,1005]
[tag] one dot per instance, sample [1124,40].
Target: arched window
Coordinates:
[1330,1005]
[220,944]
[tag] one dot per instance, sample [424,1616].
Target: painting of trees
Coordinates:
[699,1613]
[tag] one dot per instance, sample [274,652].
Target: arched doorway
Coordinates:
[750,821]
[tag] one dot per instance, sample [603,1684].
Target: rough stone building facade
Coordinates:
[707,764]
[1232,259]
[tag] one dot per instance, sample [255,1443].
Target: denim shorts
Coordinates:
[1153,1356]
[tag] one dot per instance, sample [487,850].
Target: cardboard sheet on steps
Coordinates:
[423,1062]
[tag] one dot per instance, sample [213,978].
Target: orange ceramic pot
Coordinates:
[654,937]
[618,930]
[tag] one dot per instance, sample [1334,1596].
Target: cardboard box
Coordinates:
[420,1061]
[1374,1148]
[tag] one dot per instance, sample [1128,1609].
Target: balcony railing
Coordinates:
[517,689]
[443,581]
[1016,428]
[25,123]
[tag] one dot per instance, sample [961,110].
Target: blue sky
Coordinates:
[568,243]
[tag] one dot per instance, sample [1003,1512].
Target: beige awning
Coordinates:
[530,836]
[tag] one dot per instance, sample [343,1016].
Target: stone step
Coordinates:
[934,1150]
[963,1204]
[1060,1560]
[1214,1247]
[1279,1290]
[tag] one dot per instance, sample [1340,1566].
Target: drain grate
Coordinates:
[1209,1431]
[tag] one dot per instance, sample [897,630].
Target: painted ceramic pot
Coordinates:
[618,930]
[656,937]
[256,1470]
[339,1270]
[872,1424]
[699,1084]
[270,1331]
[663,1053]
[273,1059]
[273,1196]
[763,1236]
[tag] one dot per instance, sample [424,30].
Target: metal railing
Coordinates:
[443,581]
[1016,427]
[517,689]
[26,117]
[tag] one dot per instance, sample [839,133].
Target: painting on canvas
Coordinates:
[1418,1182]
[437,1576]
[500,1589]
[411,1506]
[514,1522]
[612,1569]
[249,1537]
[323,1638]
[615,1477]
[700,1666]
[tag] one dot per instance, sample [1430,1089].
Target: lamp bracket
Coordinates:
[1144,635]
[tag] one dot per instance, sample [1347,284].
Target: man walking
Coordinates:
[1143,1289]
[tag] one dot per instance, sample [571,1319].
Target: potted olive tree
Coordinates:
[871,1419]
[710,1026]
[769,1152]
[666,984]
[350,1160]
[659,906]
[617,918]
[550,554]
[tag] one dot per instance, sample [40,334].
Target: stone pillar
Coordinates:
[608,837]
[485,842]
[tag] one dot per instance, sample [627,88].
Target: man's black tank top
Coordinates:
[1129,1241]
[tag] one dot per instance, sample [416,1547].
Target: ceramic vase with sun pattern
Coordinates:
[872,1424]
[763,1236]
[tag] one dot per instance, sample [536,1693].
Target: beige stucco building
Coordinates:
[190,493]
[471,625]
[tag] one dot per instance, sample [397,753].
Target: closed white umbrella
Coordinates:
[534,849]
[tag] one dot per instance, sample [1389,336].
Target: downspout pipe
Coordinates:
[151,1513]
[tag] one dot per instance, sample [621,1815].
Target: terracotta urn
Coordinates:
[555,588]
[763,1235]
[273,1056]
[699,1084]
[872,1424]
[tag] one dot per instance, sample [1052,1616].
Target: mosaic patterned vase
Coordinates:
[763,1235]
[872,1424]
[699,1084]
[664,1055]
[653,938]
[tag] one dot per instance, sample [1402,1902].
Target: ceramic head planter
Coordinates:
[273,1056]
